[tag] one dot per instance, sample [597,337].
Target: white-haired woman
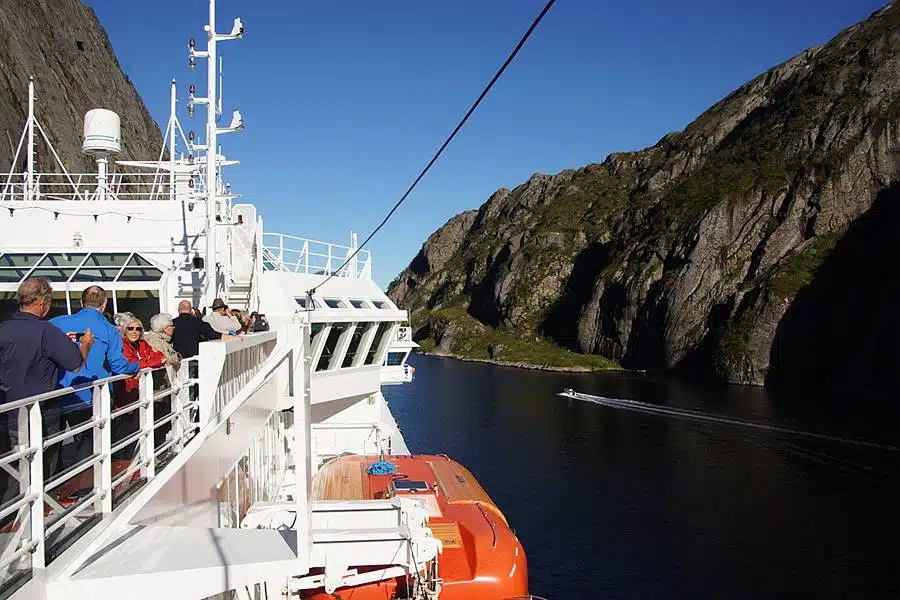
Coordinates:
[160,337]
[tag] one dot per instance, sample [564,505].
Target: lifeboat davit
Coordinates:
[481,556]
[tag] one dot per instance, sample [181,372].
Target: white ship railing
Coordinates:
[257,476]
[333,439]
[226,368]
[87,187]
[300,255]
[36,515]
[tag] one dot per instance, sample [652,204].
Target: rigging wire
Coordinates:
[693,415]
[446,143]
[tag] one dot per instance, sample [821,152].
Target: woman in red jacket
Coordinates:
[127,391]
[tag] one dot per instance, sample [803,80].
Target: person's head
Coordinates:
[132,328]
[162,323]
[34,296]
[219,306]
[94,297]
[120,320]
[185,307]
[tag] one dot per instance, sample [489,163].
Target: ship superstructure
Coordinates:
[232,500]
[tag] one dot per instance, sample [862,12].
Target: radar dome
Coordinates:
[101,132]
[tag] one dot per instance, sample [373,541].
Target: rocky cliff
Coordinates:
[756,245]
[62,44]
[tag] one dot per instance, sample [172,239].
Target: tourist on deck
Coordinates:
[258,322]
[160,337]
[32,352]
[127,391]
[190,331]
[221,318]
[105,358]
[236,314]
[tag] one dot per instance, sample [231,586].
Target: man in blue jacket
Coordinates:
[104,360]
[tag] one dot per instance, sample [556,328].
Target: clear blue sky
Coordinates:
[345,101]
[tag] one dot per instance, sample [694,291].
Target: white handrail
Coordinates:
[31,526]
[285,354]
[294,254]
[132,185]
[226,368]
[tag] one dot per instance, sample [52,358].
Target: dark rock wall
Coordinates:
[62,44]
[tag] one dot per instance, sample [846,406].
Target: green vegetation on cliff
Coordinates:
[470,339]
[801,267]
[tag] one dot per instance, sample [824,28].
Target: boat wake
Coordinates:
[708,417]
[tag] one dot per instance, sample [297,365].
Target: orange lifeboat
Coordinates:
[481,556]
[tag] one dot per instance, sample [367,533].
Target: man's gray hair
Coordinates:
[33,289]
[93,296]
[124,319]
[158,323]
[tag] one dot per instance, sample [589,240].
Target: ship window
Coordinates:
[13,275]
[331,343]
[375,348]
[394,359]
[334,303]
[301,302]
[381,304]
[93,267]
[139,269]
[19,260]
[142,303]
[58,267]
[361,330]
[101,267]
[358,303]
[14,267]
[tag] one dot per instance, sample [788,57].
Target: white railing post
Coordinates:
[34,474]
[305,257]
[102,405]
[301,392]
[177,379]
[210,365]
[281,248]
[328,267]
[148,439]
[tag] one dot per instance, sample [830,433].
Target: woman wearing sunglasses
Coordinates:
[126,392]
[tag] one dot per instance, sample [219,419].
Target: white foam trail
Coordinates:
[694,415]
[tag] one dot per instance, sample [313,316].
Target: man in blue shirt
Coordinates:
[32,353]
[104,360]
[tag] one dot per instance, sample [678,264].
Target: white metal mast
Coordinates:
[212,131]
[172,124]
[29,171]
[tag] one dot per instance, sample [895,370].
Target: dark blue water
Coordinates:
[611,504]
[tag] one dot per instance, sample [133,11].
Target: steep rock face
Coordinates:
[62,44]
[694,253]
[440,247]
